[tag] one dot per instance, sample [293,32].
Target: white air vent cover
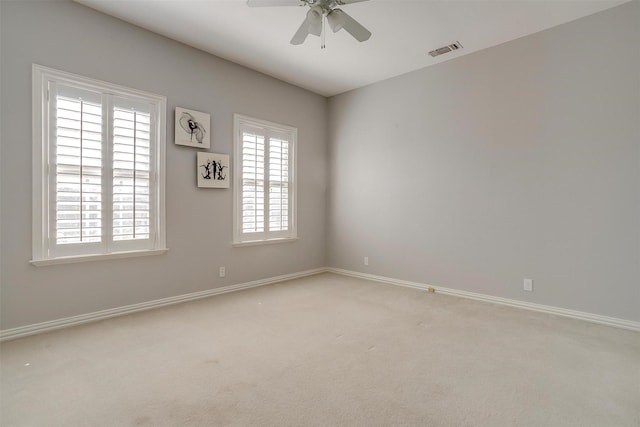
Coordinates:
[445,49]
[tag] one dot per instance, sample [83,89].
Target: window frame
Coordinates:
[42,128]
[267,237]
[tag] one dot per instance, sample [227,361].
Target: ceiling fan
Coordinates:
[314,22]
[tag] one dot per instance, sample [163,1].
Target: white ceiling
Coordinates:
[403,32]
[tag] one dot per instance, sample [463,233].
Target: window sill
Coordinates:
[99,257]
[265,242]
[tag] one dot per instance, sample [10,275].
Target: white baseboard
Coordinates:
[23,331]
[589,317]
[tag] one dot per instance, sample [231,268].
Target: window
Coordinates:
[264,188]
[98,163]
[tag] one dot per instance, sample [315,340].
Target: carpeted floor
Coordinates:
[322,351]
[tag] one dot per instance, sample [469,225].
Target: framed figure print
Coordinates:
[213,170]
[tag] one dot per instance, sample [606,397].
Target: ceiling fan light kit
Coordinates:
[314,21]
[318,11]
[336,20]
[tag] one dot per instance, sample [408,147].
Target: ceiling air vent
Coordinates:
[446,49]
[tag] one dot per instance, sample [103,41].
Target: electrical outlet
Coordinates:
[528,285]
[366,260]
[223,271]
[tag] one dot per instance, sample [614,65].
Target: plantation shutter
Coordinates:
[102,172]
[278,183]
[76,162]
[264,207]
[98,177]
[253,174]
[132,168]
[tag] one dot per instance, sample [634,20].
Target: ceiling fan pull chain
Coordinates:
[322,43]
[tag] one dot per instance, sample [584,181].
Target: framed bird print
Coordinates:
[193,128]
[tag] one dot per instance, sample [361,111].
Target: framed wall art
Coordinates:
[213,170]
[193,128]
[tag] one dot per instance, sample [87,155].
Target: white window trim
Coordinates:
[40,166]
[292,235]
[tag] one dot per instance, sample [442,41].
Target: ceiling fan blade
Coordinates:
[354,28]
[269,3]
[301,35]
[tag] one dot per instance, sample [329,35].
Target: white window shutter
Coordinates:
[253,170]
[278,184]
[98,169]
[132,210]
[77,180]
[264,206]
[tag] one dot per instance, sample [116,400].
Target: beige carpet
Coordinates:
[322,351]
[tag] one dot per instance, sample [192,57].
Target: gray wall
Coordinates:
[71,37]
[518,161]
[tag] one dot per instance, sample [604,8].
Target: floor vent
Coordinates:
[446,49]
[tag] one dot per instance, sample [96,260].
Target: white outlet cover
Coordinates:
[528,285]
